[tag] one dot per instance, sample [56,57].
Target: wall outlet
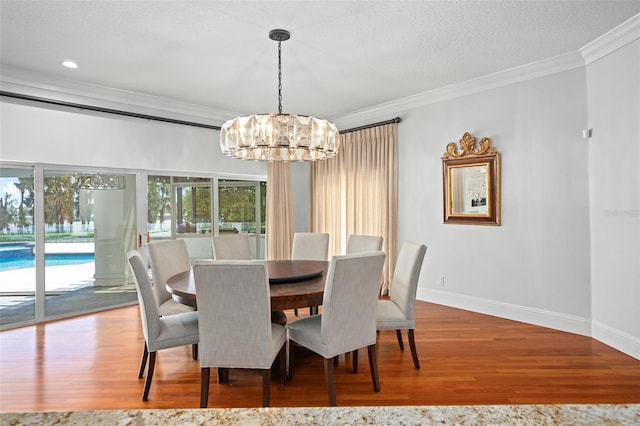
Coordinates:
[441,281]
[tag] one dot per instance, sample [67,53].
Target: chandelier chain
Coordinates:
[279,77]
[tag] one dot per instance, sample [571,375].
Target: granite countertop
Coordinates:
[578,414]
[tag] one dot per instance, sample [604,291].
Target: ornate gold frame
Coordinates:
[466,168]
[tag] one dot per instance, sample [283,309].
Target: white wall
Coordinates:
[33,133]
[613,86]
[535,266]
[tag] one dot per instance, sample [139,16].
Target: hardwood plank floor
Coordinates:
[91,362]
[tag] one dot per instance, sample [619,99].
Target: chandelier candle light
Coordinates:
[279,137]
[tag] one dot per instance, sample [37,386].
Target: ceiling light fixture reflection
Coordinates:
[98,181]
[279,137]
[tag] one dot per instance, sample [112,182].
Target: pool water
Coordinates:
[49,260]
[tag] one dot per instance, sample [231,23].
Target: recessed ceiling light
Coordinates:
[70,64]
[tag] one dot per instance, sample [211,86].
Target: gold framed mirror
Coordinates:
[471,182]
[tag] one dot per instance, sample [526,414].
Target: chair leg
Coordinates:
[147,385]
[373,366]
[399,336]
[290,363]
[194,351]
[328,377]
[295,312]
[204,386]
[336,360]
[223,375]
[266,387]
[414,353]
[354,361]
[143,362]
[283,364]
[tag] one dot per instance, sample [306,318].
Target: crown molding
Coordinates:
[518,74]
[610,41]
[18,80]
[36,84]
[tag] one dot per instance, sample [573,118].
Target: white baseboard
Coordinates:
[618,340]
[541,317]
[615,338]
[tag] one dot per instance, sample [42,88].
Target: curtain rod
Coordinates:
[368,126]
[106,110]
[153,117]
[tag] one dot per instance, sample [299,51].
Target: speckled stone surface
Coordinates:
[588,414]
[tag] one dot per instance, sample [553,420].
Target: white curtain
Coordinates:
[357,191]
[280,218]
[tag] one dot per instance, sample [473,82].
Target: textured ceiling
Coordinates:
[343,56]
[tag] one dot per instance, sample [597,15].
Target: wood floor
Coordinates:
[91,362]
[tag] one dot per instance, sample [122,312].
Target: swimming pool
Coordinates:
[17,256]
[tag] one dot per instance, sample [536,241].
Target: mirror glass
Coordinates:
[469,189]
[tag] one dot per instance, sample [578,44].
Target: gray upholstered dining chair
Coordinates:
[168,258]
[235,322]
[399,311]
[348,319]
[231,247]
[310,246]
[160,332]
[363,243]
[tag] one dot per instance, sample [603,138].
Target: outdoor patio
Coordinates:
[69,290]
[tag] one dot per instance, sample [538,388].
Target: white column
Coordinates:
[115,233]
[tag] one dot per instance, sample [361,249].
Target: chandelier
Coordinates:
[279,137]
[98,181]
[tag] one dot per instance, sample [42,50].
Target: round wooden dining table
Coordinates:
[293,284]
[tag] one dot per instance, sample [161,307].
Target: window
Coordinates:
[185,207]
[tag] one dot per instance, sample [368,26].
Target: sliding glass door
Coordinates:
[192,207]
[65,235]
[89,227]
[17,246]
[242,209]
[181,207]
